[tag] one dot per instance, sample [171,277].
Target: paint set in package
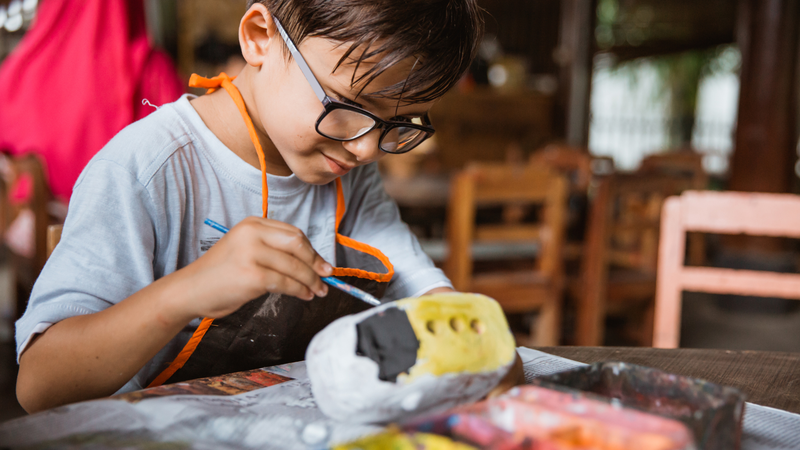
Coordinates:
[603,406]
[713,413]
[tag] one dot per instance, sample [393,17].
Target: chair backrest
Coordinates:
[31,165]
[723,213]
[684,163]
[53,236]
[622,231]
[629,209]
[503,185]
[574,162]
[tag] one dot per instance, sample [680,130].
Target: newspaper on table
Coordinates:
[276,417]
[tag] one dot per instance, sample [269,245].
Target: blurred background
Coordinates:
[613,105]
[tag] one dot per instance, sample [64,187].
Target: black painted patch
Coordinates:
[388,339]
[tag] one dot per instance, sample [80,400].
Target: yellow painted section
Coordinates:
[396,440]
[458,333]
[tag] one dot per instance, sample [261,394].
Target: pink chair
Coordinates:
[723,213]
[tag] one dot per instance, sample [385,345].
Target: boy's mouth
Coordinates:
[337,167]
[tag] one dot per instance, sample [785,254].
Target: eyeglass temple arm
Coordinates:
[301,62]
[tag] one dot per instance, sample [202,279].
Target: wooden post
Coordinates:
[764,156]
[575,55]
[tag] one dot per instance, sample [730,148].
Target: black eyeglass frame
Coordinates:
[330,104]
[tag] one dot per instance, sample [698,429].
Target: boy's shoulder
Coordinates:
[144,146]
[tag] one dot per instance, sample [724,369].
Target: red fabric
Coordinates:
[77,78]
[22,189]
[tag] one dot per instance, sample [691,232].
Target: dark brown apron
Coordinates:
[275,328]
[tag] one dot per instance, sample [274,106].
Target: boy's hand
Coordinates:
[255,257]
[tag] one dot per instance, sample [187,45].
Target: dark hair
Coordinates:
[443,36]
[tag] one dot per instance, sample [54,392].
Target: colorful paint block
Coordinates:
[397,440]
[712,412]
[532,417]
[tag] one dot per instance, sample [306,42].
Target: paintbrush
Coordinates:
[335,282]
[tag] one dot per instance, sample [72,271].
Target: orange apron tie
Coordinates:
[360,246]
[226,82]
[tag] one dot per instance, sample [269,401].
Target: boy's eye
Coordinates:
[347,101]
[414,120]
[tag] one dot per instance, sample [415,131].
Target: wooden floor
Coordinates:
[736,323]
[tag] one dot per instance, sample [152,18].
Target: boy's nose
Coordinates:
[366,147]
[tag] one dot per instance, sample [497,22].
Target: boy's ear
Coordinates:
[257,32]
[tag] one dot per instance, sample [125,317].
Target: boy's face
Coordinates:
[287,108]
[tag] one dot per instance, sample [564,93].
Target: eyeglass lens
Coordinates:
[345,125]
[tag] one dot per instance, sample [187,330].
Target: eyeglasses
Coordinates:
[344,122]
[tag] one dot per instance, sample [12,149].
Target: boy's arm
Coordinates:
[93,355]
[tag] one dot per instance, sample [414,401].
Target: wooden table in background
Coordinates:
[766,378]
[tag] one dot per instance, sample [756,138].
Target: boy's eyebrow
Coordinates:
[345,98]
[371,102]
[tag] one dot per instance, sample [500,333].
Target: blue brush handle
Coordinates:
[215,225]
[335,282]
[352,290]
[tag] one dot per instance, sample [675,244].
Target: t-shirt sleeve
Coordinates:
[373,218]
[105,253]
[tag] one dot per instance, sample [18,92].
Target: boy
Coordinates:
[329,88]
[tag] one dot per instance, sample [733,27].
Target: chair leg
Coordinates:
[667,322]
[640,326]
[648,322]
[548,325]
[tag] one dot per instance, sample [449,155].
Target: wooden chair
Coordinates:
[575,163]
[618,270]
[684,162]
[517,291]
[31,165]
[722,213]
[26,270]
[53,237]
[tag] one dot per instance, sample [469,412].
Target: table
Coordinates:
[419,191]
[767,378]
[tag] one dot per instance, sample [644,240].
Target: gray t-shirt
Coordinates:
[137,213]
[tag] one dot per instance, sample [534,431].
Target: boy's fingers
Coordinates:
[278,282]
[291,240]
[291,267]
[296,243]
[276,224]
[261,225]
[322,267]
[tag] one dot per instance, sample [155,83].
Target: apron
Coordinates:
[276,328]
